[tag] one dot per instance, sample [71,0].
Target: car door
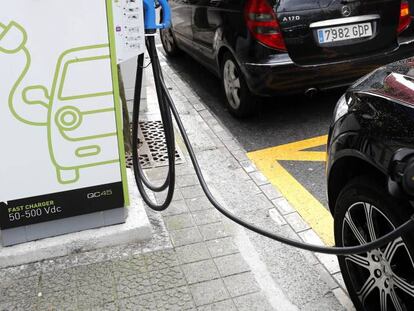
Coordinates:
[181,19]
[320,31]
[205,22]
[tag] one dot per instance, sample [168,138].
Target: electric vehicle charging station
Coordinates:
[60,118]
[72,161]
[70,116]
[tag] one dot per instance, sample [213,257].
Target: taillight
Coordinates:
[405,16]
[263,24]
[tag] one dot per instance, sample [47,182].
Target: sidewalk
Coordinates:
[196,260]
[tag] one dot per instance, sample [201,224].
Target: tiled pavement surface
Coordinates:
[202,271]
[196,260]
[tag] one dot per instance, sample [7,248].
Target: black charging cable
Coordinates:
[167,107]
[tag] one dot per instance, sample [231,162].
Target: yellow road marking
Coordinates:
[311,210]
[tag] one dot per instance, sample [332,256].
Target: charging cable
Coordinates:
[167,107]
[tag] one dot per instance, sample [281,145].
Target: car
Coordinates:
[370,182]
[274,47]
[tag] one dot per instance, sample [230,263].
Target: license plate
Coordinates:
[346,32]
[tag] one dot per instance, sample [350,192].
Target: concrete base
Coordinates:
[136,228]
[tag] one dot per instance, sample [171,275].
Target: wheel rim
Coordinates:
[231,81]
[167,40]
[383,279]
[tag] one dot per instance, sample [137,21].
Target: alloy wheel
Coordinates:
[231,81]
[383,279]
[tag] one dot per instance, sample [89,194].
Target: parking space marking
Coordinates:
[311,210]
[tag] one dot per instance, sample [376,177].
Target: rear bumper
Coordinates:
[280,75]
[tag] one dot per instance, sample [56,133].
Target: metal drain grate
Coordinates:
[152,147]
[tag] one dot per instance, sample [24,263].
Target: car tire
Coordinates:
[382,279]
[168,42]
[240,101]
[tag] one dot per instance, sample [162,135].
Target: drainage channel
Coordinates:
[152,147]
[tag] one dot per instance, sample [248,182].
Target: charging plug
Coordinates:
[401,174]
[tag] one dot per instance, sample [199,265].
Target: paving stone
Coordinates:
[133,285]
[199,204]
[192,192]
[205,114]
[94,274]
[326,302]
[143,302]
[176,207]
[259,178]
[297,222]
[111,306]
[62,300]
[231,264]
[200,271]
[199,107]
[160,196]
[240,174]
[157,173]
[270,191]
[222,247]
[161,260]
[239,155]
[344,299]
[241,284]
[58,280]
[130,266]
[339,279]
[192,253]
[213,231]
[179,221]
[262,203]
[21,290]
[185,236]
[216,127]
[277,217]
[329,261]
[174,299]
[166,278]
[326,277]
[252,187]
[226,305]
[283,206]
[182,170]
[208,292]
[206,217]
[225,136]
[248,166]
[187,180]
[252,302]
[98,294]
[20,305]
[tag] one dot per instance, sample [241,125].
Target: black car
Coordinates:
[370,172]
[269,47]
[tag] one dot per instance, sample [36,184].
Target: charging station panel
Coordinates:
[61,142]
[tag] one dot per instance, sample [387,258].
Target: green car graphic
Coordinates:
[78,110]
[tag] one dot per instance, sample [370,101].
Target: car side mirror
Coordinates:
[36,95]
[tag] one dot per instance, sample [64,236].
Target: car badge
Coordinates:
[346,11]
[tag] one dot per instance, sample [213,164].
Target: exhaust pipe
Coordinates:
[311,92]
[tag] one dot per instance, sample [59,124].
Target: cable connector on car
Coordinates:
[401,172]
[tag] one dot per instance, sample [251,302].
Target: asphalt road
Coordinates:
[278,120]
